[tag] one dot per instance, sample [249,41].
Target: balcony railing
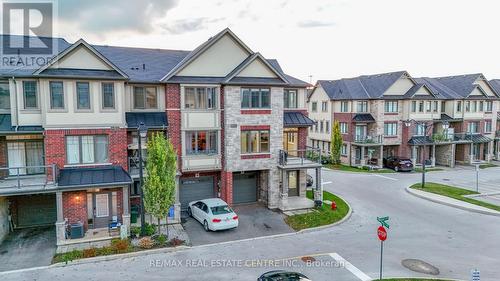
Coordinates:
[456,137]
[133,165]
[28,177]
[367,139]
[302,157]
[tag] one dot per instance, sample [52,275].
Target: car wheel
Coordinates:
[190,214]
[396,168]
[205,226]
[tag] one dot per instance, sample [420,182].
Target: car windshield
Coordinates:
[221,210]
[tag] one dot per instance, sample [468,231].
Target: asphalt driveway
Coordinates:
[28,247]
[254,220]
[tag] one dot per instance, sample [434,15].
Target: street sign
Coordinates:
[382,233]
[475,275]
[383,221]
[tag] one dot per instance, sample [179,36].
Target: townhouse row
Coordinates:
[446,120]
[69,132]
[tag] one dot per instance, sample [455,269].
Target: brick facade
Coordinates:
[55,145]
[302,135]
[227,187]
[173,111]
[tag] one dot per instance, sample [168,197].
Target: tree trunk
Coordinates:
[166,220]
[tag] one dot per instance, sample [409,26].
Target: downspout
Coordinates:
[16,108]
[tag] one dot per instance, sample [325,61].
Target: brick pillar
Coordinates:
[173,107]
[227,187]
[75,207]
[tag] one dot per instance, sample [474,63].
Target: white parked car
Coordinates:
[213,213]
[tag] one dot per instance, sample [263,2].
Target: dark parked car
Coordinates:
[309,180]
[398,164]
[281,275]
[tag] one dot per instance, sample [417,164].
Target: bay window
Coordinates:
[255,98]
[255,141]
[86,149]
[201,142]
[145,97]
[200,98]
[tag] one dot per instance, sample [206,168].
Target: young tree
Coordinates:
[336,143]
[159,186]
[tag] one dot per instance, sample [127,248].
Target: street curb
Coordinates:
[474,209]
[423,278]
[175,249]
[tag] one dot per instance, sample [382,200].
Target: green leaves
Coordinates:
[336,143]
[161,171]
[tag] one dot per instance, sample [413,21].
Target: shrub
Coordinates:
[135,231]
[69,256]
[161,239]
[89,253]
[104,251]
[150,229]
[146,243]
[176,242]
[120,245]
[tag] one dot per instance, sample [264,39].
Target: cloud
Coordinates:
[103,16]
[188,25]
[314,24]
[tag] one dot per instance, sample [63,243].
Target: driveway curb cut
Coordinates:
[179,248]
[450,204]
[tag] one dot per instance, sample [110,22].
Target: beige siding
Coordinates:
[218,60]
[400,87]
[486,88]
[81,58]
[257,68]
[319,96]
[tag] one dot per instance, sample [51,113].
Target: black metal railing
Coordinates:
[310,155]
[28,176]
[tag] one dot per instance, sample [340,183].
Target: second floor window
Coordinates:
[4,95]
[391,106]
[56,95]
[199,98]
[30,95]
[343,127]
[86,149]
[82,95]
[420,130]
[435,108]
[472,127]
[362,106]
[489,106]
[254,142]
[314,106]
[108,96]
[324,106]
[327,126]
[255,98]
[487,126]
[321,126]
[344,106]
[290,98]
[201,142]
[459,106]
[145,98]
[390,129]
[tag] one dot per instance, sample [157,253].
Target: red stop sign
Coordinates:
[382,233]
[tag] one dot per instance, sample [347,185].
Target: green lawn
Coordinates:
[419,170]
[488,165]
[356,169]
[319,216]
[455,193]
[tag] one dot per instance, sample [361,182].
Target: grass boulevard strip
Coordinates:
[319,216]
[455,193]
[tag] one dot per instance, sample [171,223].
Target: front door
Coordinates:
[102,209]
[293,183]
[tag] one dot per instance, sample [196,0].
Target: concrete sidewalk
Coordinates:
[444,200]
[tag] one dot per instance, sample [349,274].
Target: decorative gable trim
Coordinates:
[77,44]
[247,62]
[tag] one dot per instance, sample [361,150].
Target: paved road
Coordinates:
[453,240]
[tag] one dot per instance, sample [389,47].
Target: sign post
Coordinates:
[382,236]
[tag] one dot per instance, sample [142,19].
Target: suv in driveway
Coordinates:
[398,164]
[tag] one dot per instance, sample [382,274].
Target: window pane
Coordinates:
[286,99]
[189,100]
[139,97]
[87,149]
[30,98]
[254,141]
[72,150]
[212,142]
[245,98]
[4,95]
[264,141]
[101,149]
[202,142]
[82,95]
[151,101]
[56,95]
[190,142]
[108,95]
[211,98]
[201,98]
[265,102]
[255,98]
[244,142]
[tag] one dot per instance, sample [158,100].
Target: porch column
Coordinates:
[414,155]
[471,153]
[363,162]
[319,186]
[284,189]
[381,157]
[491,147]
[453,155]
[60,224]
[497,150]
[177,204]
[433,159]
[125,207]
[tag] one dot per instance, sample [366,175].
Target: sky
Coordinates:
[312,39]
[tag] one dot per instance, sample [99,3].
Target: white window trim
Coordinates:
[21,100]
[65,98]
[75,98]
[101,97]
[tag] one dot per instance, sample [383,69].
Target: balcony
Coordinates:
[201,162]
[368,139]
[28,179]
[133,165]
[302,158]
[460,138]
